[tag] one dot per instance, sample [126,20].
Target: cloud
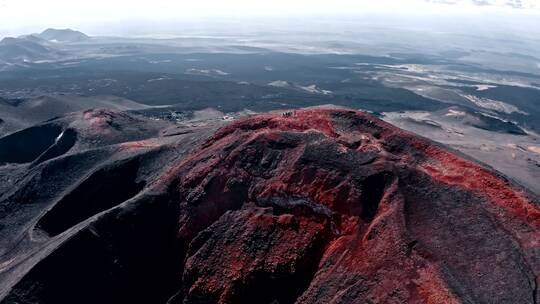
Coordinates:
[21,16]
[443,1]
[481,2]
[517,4]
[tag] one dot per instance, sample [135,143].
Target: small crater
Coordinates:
[64,142]
[27,145]
[103,190]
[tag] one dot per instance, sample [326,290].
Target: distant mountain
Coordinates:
[34,38]
[24,48]
[62,35]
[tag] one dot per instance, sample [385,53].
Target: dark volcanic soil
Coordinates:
[315,206]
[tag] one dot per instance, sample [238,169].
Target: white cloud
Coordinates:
[19,15]
[521,4]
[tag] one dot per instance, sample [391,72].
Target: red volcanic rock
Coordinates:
[313,206]
[327,206]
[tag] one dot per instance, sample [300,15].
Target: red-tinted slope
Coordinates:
[326,205]
[312,206]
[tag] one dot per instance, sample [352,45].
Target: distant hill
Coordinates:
[62,35]
[28,48]
[32,38]
[18,114]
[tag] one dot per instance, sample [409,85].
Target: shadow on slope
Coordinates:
[27,145]
[104,189]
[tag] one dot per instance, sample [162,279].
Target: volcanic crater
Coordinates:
[305,206]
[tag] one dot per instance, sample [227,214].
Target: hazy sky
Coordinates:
[23,16]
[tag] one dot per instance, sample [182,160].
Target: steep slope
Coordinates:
[311,206]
